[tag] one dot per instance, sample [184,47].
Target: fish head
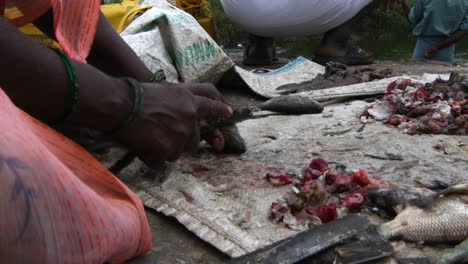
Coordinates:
[386,202]
[389,202]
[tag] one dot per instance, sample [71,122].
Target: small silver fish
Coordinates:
[445,220]
[292,104]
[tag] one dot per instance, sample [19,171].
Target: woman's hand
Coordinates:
[167,124]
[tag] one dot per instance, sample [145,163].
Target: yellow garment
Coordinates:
[200,9]
[121,15]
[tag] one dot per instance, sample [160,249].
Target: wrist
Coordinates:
[103,106]
[136,107]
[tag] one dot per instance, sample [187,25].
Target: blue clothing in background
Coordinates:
[435,20]
[425,43]
[439,17]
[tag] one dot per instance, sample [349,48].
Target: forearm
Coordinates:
[109,52]
[36,80]
[452,39]
[113,55]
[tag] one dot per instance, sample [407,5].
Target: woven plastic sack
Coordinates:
[58,204]
[165,37]
[291,18]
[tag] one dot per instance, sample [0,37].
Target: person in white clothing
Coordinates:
[266,19]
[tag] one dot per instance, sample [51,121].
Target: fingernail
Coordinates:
[230,110]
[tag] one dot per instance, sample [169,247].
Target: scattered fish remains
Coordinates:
[440,107]
[337,74]
[322,193]
[325,192]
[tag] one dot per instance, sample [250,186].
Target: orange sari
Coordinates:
[58,204]
[75,21]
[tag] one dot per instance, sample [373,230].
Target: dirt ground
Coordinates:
[173,243]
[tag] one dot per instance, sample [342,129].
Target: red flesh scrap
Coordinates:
[326,213]
[307,185]
[361,178]
[311,211]
[278,211]
[397,120]
[279,180]
[308,173]
[319,164]
[330,178]
[439,147]
[342,183]
[353,201]
[373,186]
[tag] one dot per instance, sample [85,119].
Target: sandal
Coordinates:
[358,56]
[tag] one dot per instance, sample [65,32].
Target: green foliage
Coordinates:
[383,24]
[227,33]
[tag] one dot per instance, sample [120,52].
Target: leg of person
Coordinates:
[336,44]
[57,203]
[423,44]
[260,51]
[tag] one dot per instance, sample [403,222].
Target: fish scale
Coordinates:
[446,220]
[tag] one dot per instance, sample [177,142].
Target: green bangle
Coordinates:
[74,87]
[158,76]
[137,102]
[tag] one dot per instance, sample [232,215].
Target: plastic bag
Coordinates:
[291,17]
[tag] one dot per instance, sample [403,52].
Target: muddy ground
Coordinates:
[173,243]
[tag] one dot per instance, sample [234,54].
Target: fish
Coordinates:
[232,140]
[292,104]
[388,202]
[455,189]
[234,143]
[443,221]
